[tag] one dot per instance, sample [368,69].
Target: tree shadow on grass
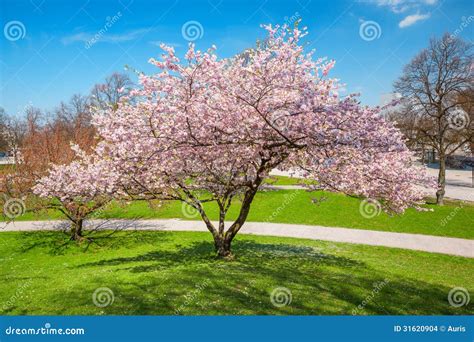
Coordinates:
[202,253]
[47,240]
[57,242]
[190,280]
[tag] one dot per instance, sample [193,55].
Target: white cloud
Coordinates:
[412,19]
[400,6]
[158,43]
[78,37]
[103,37]
[387,98]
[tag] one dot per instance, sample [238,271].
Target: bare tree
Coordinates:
[74,119]
[406,122]
[77,109]
[3,130]
[108,94]
[12,133]
[431,86]
[466,99]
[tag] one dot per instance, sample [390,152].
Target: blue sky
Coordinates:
[46,51]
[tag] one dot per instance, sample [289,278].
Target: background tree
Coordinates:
[406,121]
[41,140]
[431,86]
[12,133]
[78,190]
[49,137]
[3,130]
[109,93]
[466,100]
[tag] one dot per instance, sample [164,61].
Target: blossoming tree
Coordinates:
[210,130]
[78,189]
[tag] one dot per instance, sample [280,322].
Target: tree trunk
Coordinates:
[423,152]
[222,246]
[76,230]
[223,239]
[441,180]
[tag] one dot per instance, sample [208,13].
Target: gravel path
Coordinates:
[427,243]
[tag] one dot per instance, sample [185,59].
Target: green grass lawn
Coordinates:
[177,273]
[456,219]
[286,180]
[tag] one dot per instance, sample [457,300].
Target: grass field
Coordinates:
[177,273]
[285,180]
[456,219]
